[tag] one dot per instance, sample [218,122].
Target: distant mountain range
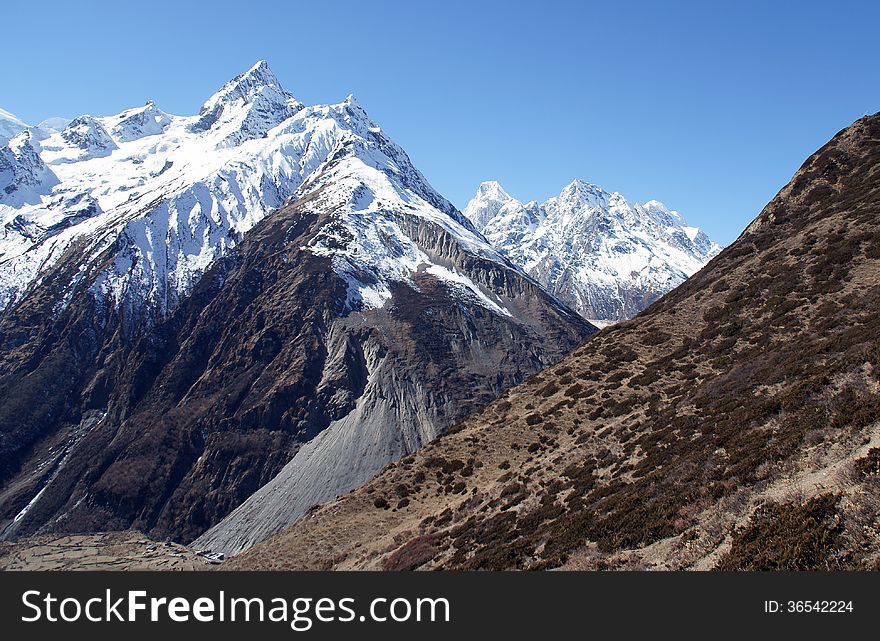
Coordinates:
[604,256]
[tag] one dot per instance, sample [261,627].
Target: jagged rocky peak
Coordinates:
[252,82]
[89,135]
[487,203]
[23,144]
[251,104]
[136,123]
[605,256]
[579,192]
[23,174]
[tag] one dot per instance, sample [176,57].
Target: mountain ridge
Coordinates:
[604,256]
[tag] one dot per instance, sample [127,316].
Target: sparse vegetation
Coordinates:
[789,537]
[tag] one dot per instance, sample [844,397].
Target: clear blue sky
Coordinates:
[707,106]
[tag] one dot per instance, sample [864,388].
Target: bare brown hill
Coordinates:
[733,424]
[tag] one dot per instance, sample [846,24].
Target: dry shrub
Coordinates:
[414,553]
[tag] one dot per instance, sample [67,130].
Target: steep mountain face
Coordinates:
[605,257]
[170,344]
[734,424]
[23,174]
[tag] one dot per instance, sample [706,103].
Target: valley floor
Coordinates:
[103,551]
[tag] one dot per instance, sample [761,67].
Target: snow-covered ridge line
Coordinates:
[171,194]
[11,125]
[605,256]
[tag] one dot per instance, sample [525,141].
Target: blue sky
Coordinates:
[706,106]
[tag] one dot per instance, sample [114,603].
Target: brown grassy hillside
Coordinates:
[733,424]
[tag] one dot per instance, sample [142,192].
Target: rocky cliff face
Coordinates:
[604,256]
[734,424]
[24,176]
[167,359]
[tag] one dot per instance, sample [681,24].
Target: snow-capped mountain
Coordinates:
[170,193]
[11,125]
[23,174]
[261,295]
[603,255]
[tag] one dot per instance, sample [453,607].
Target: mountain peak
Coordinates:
[353,106]
[662,215]
[581,190]
[487,203]
[654,204]
[258,75]
[21,140]
[253,101]
[139,122]
[253,82]
[89,135]
[55,124]
[24,176]
[246,86]
[492,189]
[260,66]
